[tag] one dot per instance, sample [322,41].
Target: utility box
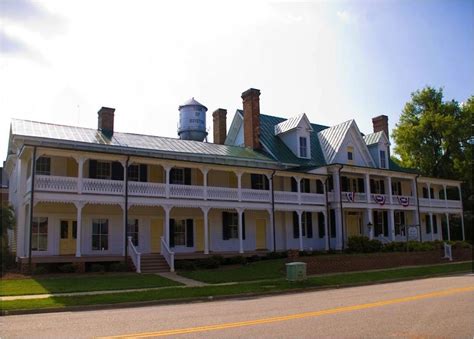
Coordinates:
[296,271]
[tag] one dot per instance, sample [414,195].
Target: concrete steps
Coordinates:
[153,263]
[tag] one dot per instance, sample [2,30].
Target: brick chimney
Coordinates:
[106,121]
[251,103]
[380,123]
[219,118]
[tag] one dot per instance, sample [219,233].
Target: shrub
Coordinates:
[254,258]
[208,263]
[118,267]
[67,268]
[395,246]
[276,255]
[461,244]
[97,268]
[218,258]
[238,260]
[186,265]
[40,270]
[361,244]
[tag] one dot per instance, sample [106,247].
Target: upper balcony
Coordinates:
[166,181]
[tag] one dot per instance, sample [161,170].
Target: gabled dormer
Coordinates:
[378,145]
[344,144]
[296,134]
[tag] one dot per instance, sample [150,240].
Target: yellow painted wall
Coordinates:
[156,174]
[199,235]
[196,177]
[72,168]
[261,234]
[156,232]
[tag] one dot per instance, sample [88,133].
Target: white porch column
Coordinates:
[272,236]
[79,206]
[205,211]
[124,229]
[240,212]
[167,224]
[428,185]
[298,186]
[392,224]
[300,228]
[445,196]
[367,187]
[326,231]
[462,226]
[389,184]
[80,173]
[167,183]
[431,226]
[239,184]
[204,177]
[370,216]
[447,227]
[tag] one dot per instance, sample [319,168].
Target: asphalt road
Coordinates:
[437,307]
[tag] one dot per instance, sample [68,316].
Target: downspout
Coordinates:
[32,193]
[418,206]
[328,216]
[126,209]
[340,205]
[273,211]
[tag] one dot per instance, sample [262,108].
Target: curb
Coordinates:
[215,298]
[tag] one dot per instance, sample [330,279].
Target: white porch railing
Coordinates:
[354,197]
[102,186]
[256,195]
[425,202]
[454,203]
[381,199]
[149,189]
[286,197]
[312,198]
[134,254]
[55,183]
[222,193]
[403,200]
[167,254]
[186,191]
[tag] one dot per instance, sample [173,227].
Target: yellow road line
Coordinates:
[297,315]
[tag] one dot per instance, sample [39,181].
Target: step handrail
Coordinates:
[167,254]
[134,254]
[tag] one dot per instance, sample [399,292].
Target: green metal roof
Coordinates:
[373,138]
[280,151]
[61,133]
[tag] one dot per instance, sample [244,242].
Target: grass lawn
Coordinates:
[242,288]
[11,287]
[260,270]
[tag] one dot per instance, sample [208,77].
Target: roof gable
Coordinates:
[375,138]
[300,121]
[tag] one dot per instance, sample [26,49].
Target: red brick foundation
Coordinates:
[361,262]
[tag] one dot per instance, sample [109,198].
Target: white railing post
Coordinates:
[204,176]
[167,254]
[367,187]
[205,211]
[447,226]
[79,206]
[389,184]
[167,181]
[239,184]
[298,188]
[134,254]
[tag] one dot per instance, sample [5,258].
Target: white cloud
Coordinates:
[348,17]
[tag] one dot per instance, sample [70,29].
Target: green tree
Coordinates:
[436,138]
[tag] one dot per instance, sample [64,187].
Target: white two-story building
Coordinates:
[266,184]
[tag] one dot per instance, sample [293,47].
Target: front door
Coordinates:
[261,234]
[156,231]
[353,224]
[68,236]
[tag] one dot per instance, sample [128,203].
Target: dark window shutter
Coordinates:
[187,176]
[382,187]
[432,193]
[332,219]
[267,183]
[171,232]
[296,230]
[428,224]
[225,226]
[425,193]
[321,228]
[309,224]
[360,183]
[117,171]
[435,224]
[385,223]
[189,233]
[319,187]
[305,186]
[344,184]
[399,184]
[92,169]
[372,186]
[294,185]
[172,181]
[143,173]
[243,225]
[253,181]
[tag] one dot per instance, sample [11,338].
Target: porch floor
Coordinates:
[70,258]
[199,255]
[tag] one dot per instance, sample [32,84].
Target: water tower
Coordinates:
[192,121]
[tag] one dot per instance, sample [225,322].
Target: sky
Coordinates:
[60,61]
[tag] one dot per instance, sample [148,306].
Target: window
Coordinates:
[399,223]
[64,229]
[350,153]
[180,176]
[428,224]
[383,160]
[230,225]
[39,234]
[103,170]
[321,225]
[259,182]
[377,186]
[435,224]
[43,166]
[132,230]
[396,188]
[380,223]
[306,225]
[332,222]
[100,234]
[179,233]
[303,147]
[305,186]
[138,173]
